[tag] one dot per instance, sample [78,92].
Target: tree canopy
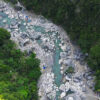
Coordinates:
[19,73]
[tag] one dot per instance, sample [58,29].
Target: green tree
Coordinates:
[19,73]
[94,58]
[4,35]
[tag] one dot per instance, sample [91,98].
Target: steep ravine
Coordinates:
[56,52]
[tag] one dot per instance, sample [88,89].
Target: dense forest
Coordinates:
[19,72]
[81,20]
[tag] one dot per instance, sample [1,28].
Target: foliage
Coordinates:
[12,1]
[4,35]
[18,73]
[70,70]
[94,58]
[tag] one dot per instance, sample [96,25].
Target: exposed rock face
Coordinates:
[74,97]
[18,8]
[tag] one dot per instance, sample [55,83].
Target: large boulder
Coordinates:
[36,36]
[73,97]
[18,8]
[68,62]
[84,88]
[63,94]
[78,78]
[67,86]
[24,36]
[67,78]
[62,87]
[70,98]
[63,54]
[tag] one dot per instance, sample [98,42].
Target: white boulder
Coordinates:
[70,98]
[62,87]
[63,94]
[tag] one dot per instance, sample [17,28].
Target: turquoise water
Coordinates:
[56,69]
[22,27]
[56,66]
[39,29]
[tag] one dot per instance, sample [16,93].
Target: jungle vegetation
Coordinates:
[19,73]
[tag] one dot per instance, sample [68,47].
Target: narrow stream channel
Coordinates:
[56,66]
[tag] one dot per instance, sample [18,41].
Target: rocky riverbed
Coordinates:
[56,52]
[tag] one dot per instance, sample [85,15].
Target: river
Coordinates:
[50,39]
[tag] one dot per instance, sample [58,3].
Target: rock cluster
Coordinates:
[47,85]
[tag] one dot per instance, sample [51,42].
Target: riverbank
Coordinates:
[46,40]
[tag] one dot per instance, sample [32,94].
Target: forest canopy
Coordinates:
[19,73]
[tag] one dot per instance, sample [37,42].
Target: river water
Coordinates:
[56,65]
